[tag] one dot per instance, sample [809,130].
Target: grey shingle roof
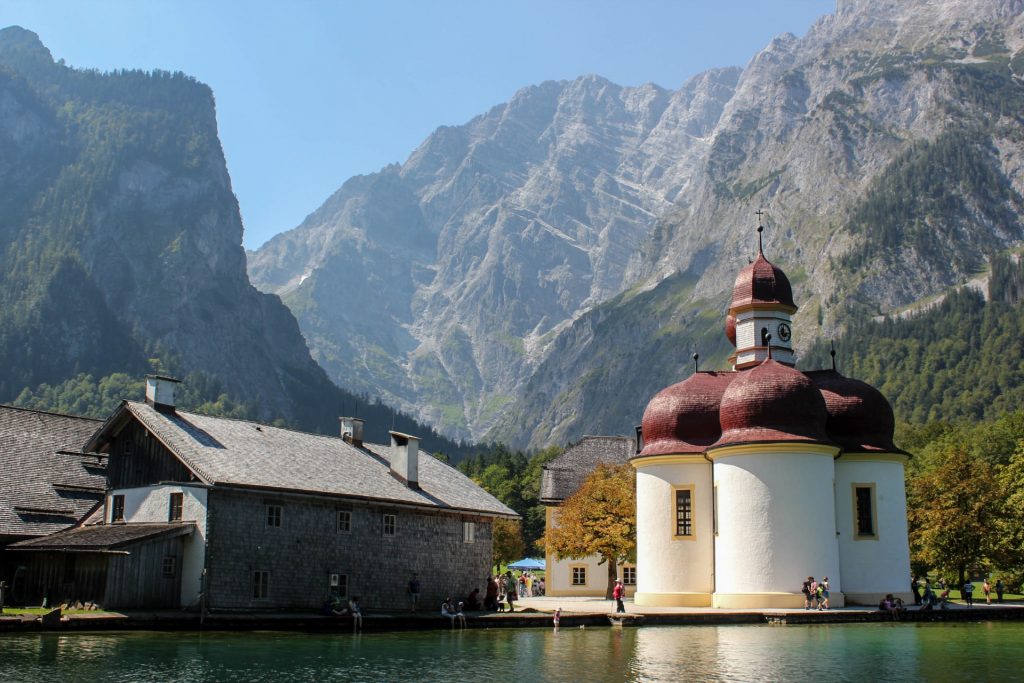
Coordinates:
[45,484]
[564,475]
[236,452]
[104,536]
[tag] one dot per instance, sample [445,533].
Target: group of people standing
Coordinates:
[929,598]
[815,593]
[530,586]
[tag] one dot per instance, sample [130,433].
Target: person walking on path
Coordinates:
[824,594]
[806,590]
[618,593]
[510,592]
[414,591]
[999,590]
[986,588]
[969,593]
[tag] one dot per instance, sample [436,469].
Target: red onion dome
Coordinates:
[859,418]
[772,402]
[683,418]
[730,328]
[761,282]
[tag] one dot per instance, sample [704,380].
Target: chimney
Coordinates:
[405,452]
[352,430]
[639,438]
[160,392]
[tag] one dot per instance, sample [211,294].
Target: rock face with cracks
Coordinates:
[120,244]
[539,272]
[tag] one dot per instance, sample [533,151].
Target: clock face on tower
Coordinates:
[784,332]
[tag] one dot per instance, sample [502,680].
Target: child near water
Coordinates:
[558,616]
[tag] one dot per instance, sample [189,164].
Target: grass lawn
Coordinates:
[17,611]
[979,597]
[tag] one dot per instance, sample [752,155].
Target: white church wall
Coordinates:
[776,524]
[674,570]
[877,564]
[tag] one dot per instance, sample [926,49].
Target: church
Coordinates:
[750,480]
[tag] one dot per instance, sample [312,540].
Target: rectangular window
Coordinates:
[864,510]
[579,576]
[339,585]
[389,525]
[344,521]
[260,585]
[177,502]
[629,576]
[684,512]
[274,515]
[117,513]
[170,566]
[468,532]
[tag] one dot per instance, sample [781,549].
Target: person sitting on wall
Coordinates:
[447,610]
[460,616]
[888,604]
[335,607]
[357,613]
[473,600]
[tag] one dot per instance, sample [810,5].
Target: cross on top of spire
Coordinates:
[760,229]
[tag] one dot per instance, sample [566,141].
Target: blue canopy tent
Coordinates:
[527,563]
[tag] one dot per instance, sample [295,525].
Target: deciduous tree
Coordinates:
[954,510]
[599,519]
[508,541]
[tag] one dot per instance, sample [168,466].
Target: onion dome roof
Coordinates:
[761,282]
[683,418]
[730,328]
[860,419]
[772,402]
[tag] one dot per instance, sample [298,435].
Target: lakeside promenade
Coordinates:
[530,612]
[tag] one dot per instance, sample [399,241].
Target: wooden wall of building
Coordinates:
[138,580]
[139,459]
[115,581]
[58,577]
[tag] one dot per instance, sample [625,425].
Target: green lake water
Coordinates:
[848,652]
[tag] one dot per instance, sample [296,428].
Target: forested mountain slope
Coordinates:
[120,251]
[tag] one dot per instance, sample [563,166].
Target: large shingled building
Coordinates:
[752,479]
[204,511]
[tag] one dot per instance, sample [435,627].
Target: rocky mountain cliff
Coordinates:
[120,244]
[541,271]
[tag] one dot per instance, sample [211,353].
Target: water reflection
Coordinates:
[852,652]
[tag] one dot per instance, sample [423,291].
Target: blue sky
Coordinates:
[310,93]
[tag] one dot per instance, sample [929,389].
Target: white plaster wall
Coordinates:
[152,504]
[558,573]
[873,566]
[666,564]
[558,577]
[776,522]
